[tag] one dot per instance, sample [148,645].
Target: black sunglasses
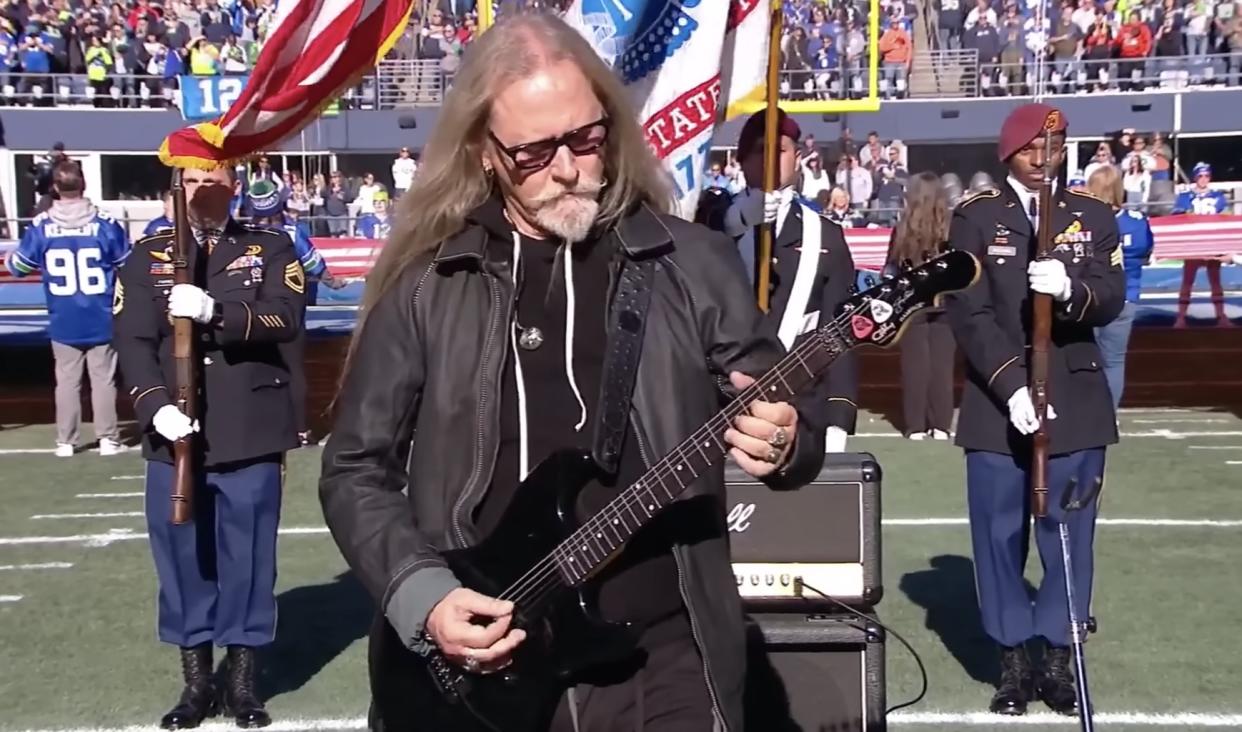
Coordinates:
[538,154]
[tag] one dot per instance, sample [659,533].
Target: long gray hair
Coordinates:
[451,181]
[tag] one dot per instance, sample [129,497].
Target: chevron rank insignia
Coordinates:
[1114,259]
[118,298]
[295,278]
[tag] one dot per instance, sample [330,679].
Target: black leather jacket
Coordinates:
[419,407]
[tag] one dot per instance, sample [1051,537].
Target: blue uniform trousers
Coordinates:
[217,573]
[998,497]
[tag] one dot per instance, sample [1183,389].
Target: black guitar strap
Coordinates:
[626,326]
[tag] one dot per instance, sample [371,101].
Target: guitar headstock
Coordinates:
[877,314]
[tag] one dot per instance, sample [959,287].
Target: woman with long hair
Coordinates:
[927,347]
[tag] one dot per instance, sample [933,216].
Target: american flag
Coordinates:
[314,50]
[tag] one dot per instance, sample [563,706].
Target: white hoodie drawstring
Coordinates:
[523,429]
[569,338]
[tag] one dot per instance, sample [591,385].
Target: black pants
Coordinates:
[663,692]
[927,349]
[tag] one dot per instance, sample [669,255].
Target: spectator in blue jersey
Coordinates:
[376,225]
[1203,201]
[78,250]
[164,220]
[1134,230]
[267,208]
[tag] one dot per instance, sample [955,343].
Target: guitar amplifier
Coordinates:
[826,533]
[813,673]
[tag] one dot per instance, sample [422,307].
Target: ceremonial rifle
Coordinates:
[771,152]
[185,359]
[1041,333]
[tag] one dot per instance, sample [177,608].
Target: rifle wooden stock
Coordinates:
[1041,334]
[185,358]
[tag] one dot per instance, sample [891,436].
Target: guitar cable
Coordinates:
[799,584]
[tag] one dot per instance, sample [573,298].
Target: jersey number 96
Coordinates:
[75,271]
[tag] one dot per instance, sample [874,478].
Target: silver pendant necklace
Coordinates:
[530,338]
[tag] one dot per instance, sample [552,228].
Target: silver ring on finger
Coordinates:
[779,437]
[472,663]
[773,456]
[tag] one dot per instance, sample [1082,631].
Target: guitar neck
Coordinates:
[595,542]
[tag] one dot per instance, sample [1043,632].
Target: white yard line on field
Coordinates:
[1214,447]
[968,719]
[134,494]
[117,514]
[33,567]
[1188,523]
[127,477]
[11,598]
[984,719]
[1180,420]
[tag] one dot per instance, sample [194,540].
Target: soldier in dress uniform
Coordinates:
[992,324]
[217,573]
[808,283]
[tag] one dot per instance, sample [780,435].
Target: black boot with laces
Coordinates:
[1016,683]
[240,700]
[1056,682]
[198,698]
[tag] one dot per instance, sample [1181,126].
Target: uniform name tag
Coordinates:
[1002,251]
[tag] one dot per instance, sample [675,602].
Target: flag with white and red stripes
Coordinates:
[314,50]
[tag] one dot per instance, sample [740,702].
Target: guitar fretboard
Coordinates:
[590,547]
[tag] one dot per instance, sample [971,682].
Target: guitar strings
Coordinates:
[529,588]
[533,588]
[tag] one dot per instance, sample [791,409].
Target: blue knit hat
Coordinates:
[265,199]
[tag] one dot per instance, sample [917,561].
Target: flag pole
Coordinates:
[771,148]
[485,15]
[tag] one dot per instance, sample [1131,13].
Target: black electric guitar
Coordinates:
[543,560]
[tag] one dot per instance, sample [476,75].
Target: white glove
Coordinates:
[1022,412]
[188,301]
[773,201]
[1237,258]
[1048,277]
[172,423]
[834,440]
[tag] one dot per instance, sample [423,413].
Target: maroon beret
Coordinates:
[754,128]
[1024,124]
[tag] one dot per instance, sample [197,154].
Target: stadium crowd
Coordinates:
[864,184]
[1127,45]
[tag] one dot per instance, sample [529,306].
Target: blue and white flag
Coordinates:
[689,64]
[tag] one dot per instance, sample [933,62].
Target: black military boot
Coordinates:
[198,698]
[1016,683]
[1056,681]
[239,698]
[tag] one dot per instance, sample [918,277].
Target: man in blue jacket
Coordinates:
[78,249]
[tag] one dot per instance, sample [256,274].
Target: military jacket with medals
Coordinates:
[992,319]
[245,407]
